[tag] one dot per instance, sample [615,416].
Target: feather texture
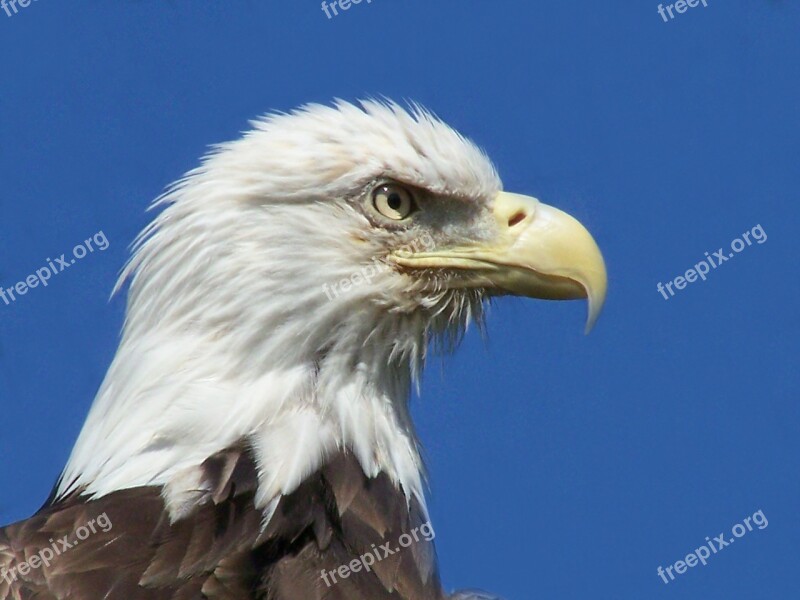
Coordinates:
[253,429]
[220,550]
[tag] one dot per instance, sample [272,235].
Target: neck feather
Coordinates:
[168,403]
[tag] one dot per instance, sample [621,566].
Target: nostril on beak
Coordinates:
[518,217]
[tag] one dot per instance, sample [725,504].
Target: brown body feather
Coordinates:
[219,551]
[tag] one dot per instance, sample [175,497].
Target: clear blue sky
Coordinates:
[562,466]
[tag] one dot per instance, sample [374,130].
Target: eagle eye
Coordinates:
[393,201]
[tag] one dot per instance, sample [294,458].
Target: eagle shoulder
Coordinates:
[337,537]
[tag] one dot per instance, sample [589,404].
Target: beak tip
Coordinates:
[595,307]
[590,323]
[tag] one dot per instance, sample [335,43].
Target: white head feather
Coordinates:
[230,335]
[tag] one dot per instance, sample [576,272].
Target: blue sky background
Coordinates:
[562,466]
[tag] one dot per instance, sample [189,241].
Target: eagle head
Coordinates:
[287,292]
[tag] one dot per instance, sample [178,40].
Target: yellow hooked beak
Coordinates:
[541,252]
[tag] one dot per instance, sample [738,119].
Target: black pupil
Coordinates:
[394,201]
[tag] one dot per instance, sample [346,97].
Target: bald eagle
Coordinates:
[252,436]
